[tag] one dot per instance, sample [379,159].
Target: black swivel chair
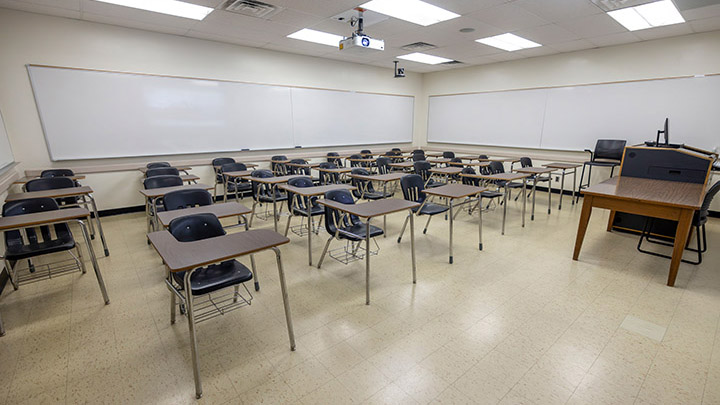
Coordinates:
[422,168]
[342,226]
[608,153]
[57,173]
[162,171]
[240,187]
[278,166]
[217,164]
[189,198]
[299,205]
[365,188]
[155,165]
[699,220]
[263,193]
[412,188]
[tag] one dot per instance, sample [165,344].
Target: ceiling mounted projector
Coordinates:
[359,42]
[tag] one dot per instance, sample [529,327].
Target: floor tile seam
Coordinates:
[714,351]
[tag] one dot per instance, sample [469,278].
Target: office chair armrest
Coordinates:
[590,152]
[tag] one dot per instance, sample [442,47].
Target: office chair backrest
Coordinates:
[396,150]
[417,157]
[162,181]
[469,180]
[609,149]
[274,165]
[329,178]
[327,165]
[360,183]
[196,227]
[162,171]
[179,199]
[154,165]
[448,155]
[31,206]
[233,167]
[49,183]
[483,157]
[222,161]
[355,164]
[332,157]
[496,167]
[299,182]
[365,152]
[422,168]
[704,210]
[333,216]
[57,173]
[412,186]
[261,188]
[299,170]
[383,165]
[525,162]
[418,151]
[456,160]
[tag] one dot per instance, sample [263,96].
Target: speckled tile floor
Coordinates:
[518,323]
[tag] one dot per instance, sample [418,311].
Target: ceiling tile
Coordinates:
[70,11]
[614,39]
[593,26]
[539,51]
[226,39]
[463,51]
[506,56]
[559,10]
[574,45]
[706,24]
[206,3]
[548,34]
[664,32]
[463,7]
[508,17]
[296,18]
[702,12]
[324,8]
[133,24]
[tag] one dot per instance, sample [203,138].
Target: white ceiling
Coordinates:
[559,25]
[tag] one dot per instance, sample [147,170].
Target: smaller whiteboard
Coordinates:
[6,155]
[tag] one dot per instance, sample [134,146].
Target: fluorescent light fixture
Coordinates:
[318,37]
[648,15]
[508,42]
[172,7]
[415,11]
[424,58]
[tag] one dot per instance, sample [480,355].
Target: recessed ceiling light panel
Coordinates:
[508,42]
[414,11]
[172,7]
[656,14]
[424,58]
[318,37]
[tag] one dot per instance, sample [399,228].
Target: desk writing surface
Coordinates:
[439,161]
[40,218]
[23,180]
[159,192]
[661,192]
[274,180]
[469,163]
[55,193]
[402,164]
[315,190]
[336,170]
[246,165]
[560,165]
[239,173]
[180,256]
[372,208]
[454,190]
[189,177]
[498,176]
[220,210]
[379,177]
[500,159]
[180,168]
[304,165]
[446,170]
[534,170]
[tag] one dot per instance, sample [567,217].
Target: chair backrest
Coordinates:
[299,182]
[329,178]
[31,206]
[299,170]
[233,167]
[469,180]
[275,166]
[417,157]
[496,167]
[418,151]
[365,152]
[261,188]
[362,185]
[704,210]
[396,150]
[196,227]
[332,157]
[179,199]
[422,168]
[448,155]
[456,160]
[483,157]
[327,165]
[525,162]
[154,165]
[49,183]
[412,186]
[609,149]
[383,165]
[57,173]
[333,216]
[162,181]
[222,161]
[162,171]
[355,164]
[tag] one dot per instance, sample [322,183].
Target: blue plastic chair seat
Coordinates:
[19,252]
[215,277]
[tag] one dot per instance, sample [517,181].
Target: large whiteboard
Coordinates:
[6,155]
[89,114]
[574,117]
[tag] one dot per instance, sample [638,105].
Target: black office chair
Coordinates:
[155,165]
[217,164]
[263,193]
[332,158]
[608,153]
[489,194]
[383,165]
[448,155]
[240,187]
[527,162]
[162,171]
[412,188]
[344,226]
[365,188]
[57,173]
[328,178]
[189,198]
[36,244]
[277,166]
[54,183]
[422,168]
[298,205]
[699,220]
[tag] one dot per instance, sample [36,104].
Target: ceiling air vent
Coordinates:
[251,8]
[452,62]
[418,47]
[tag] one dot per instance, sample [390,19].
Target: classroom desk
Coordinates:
[308,192]
[372,209]
[676,201]
[446,171]
[469,163]
[384,179]
[180,169]
[452,192]
[434,154]
[83,192]
[68,215]
[363,161]
[249,165]
[564,167]
[274,182]
[507,178]
[403,165]
[228,175]
[188,256]
[537,172]
[439,161]
[153,194]
[340,171]
[189,178]
[304,165]
[220,210]
[23,180]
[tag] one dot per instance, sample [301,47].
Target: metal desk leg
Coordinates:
[524,201]
[532,214]
[286,300]
[450,203]
[252,259]
[480,221]
[562,188]
[550,193]
[505,207]
[412,243]
[307,210]
[93,260]
[99,225]
[367,262]
[275,214]
[147,215]
[155,222]
[193,338]
[2,328]
[574,182]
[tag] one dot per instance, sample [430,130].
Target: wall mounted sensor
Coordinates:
[399,71]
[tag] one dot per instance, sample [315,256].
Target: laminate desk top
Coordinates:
[42,218]
[501,159]
[246,165]
[434,154]
[239,173]
[189,177]
[372,208]
[534,170]
[338,170]
[180,168]
[315,190]
[498,176]
[282,161]
[304,165]
[379,177]
[560,165]
[454,190]
[159,192]
[660,192]
[54,193]
[181,256]
[274,180]
[23,180]
[362,160]
[469,163]
[403,165]
[220,210]
[439,161]
[446,170]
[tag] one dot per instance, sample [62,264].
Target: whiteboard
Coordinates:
[328,118]
[574,117]
[6,155]
[89,114]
